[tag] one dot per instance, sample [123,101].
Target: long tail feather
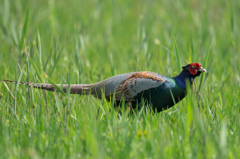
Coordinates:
[74,88]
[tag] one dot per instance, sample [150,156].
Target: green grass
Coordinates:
[88,41]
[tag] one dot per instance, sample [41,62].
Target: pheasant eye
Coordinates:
[193,66]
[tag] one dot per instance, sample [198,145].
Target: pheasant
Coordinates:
[161,92]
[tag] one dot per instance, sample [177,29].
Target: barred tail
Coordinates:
[74,88]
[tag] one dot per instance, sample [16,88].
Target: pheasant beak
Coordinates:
[202,70]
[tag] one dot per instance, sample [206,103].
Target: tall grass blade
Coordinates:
[24,31]
[177,55]
[57,57]
[39,47]
[205,65]
[40,77]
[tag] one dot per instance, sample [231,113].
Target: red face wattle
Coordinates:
[193,68]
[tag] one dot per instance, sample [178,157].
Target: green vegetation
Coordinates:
[87,41]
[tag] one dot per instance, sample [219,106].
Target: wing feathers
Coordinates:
[137,83]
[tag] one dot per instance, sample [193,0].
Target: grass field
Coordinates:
[88,41]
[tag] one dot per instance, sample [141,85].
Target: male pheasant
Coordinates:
[161,92]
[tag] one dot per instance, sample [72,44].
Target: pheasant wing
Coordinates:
[137,83]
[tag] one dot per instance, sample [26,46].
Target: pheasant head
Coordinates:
[189,72]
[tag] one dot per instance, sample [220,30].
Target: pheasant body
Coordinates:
[161,92]
[162,97]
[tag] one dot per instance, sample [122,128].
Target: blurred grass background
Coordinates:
[88,41]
